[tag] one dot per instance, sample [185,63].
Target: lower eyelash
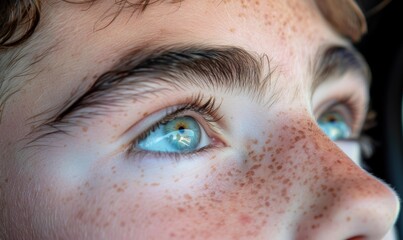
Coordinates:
[141,155]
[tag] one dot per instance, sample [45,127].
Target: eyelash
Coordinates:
[208,109]
[353,108]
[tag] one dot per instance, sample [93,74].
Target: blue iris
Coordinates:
[182,134]
[334,126]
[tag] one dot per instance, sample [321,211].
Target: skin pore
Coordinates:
[255,75]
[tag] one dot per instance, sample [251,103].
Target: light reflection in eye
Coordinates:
[179,135]
[334,126]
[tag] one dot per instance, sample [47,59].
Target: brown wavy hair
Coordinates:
[18,20]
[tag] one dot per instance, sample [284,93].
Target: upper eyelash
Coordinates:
[353,108]
[207,108]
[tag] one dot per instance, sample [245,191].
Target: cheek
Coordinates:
[245,192]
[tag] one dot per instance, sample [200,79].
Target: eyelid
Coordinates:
[205,121]
[349,108]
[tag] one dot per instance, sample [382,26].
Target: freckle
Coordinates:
[348,219]
[80,214]
[188,197]
[232,30]
[122,224]
[318,216]
[85,129]
[181,210]
[245,219]
[155,184]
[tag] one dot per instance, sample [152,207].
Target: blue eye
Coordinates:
[179,135]
[334,126]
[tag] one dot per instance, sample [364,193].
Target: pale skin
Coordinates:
[270,172]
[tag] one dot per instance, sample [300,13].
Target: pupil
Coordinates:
[332,119]
[181,129]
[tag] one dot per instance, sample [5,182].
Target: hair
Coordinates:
[18,21]
[20,18]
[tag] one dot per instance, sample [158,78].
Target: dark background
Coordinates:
[383,49]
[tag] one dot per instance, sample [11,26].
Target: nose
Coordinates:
[343,201]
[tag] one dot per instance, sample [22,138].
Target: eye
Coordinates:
[334,125]
[178,135]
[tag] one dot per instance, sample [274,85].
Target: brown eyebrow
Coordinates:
[142,72]
[335,61]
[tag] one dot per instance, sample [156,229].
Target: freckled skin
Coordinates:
[277,177]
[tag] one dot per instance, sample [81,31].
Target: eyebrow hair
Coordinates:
[335,61]
[144,72]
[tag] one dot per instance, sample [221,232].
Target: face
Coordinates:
[191,120]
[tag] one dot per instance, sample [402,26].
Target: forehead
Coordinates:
[345,15]
[210,21]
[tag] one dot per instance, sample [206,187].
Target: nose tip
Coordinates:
[359,207]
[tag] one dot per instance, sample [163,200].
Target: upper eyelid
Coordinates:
[197,103]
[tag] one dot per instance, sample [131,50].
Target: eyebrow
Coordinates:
[144,72]
[335,61]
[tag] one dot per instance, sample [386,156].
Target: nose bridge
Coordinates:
[340,200]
